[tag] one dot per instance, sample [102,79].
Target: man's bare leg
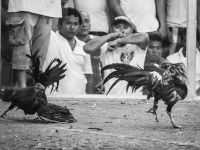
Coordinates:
[20,76]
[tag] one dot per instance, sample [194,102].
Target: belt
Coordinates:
[98,33]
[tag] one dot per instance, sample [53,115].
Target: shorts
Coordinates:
[19,39]
[177,33]
[26,27]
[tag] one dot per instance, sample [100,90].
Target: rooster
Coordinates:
[165,82]
[32,99]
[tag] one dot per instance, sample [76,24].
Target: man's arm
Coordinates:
[161,12]
[116,10]
[93,46]
[139,39]
[90,84]
[115,7]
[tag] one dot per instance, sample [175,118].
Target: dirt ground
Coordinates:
[105,125]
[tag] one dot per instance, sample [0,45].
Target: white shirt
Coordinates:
[178,57]
[135,57]
[97,11]
[142,13]
[78,64]
[177,13]
[50,8]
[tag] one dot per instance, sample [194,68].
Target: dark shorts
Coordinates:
[176,38]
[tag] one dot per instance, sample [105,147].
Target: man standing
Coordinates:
[30,25]
[142,13]
[65,46]
[83,35]
[176,21]
[120,46]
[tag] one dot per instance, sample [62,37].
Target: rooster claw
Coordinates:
[178,127]
[2,116]
[153,111]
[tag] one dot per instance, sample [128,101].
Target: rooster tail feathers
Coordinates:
[51,63]
[137,83]
[118,66]
[115,74]
[113,85]
[135,76]
[53,74]
[34,65]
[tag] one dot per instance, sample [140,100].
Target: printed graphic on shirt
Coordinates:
[127,56]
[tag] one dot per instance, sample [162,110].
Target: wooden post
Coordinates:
[0,45]
[191,47]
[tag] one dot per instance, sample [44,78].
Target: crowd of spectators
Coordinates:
[89,34]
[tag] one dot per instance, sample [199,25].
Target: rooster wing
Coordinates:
[55,113]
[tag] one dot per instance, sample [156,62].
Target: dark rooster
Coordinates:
[32,99]
[166,81]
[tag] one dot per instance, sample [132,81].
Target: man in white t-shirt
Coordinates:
[142,13]
[120,46]
[65,46]
[30,25]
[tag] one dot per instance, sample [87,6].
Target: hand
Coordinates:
[116,35]
[170,35]
[100,88]
[162,31]
[112,45]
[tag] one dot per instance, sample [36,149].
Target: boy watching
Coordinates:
[155,49]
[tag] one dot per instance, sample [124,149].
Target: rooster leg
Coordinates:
[169,108]
[9,108]
[48,120]
[40,118]
[32,119]
[154,108]
[4,114]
